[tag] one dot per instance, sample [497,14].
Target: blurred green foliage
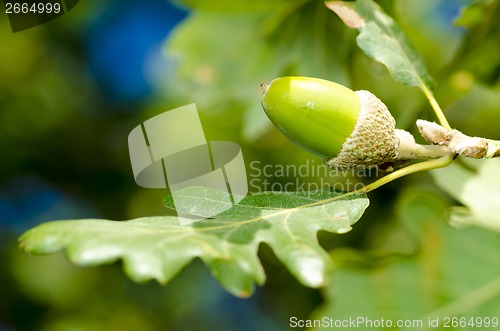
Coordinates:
[59,127]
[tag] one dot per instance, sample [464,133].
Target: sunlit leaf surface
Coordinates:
[159,247]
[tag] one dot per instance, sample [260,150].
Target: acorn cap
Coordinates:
[373,140]
[348,129]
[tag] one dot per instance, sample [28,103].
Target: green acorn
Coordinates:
[348,129]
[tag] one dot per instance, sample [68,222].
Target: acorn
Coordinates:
[348,129]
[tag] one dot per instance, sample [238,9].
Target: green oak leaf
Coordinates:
[159,247]
[478,191]
[459,281]
[454,273]
[382,40]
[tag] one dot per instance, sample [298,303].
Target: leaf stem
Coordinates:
[435,105]
[422,166]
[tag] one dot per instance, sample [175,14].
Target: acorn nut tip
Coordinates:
[348,129]
[263,87]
